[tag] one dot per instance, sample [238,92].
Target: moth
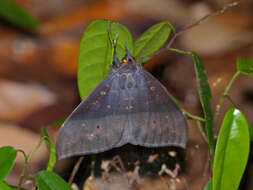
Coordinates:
[128,106]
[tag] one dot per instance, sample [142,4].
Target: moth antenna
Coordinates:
[128,55]
[116,61]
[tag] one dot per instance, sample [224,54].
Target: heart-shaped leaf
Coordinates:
[96,52]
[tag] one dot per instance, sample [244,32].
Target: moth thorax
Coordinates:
[126,81]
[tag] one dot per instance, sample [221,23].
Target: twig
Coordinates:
[203,19]
[75,169]
[190,26]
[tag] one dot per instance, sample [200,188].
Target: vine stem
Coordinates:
[188,114]
[225,94]
[202,131]
[194,117]
[27,161]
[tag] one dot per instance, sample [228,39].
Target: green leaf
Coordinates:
[16,15]
[208,185]
[245,66]
[47,180]
[7,159]
[96,52]
[51,149]
[152,39]
[205,97]
[232,151]
[4,186]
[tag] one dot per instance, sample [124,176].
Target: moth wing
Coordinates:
[96,124]
[156,118]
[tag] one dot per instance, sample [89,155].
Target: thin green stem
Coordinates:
[23,152]
[225,93]
[231,101]
[188,114]
[194,117]
[27,161]
[201,130]
[179,51]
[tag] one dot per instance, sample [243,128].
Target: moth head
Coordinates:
[128,59]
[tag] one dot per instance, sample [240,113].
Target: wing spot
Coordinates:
[108,106]
[126,107]
[83,124]
[131,107]
[152,88]
[103,93]
[91,136]
[95,103]
[98,127]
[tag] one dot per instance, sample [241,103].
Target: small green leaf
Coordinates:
[4,186]
[96,52]
[47,180]
[232,151]
[7,159]
[51,149]
[205,97]
[208,185]
[152,39]
[16,15]
[245,66]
